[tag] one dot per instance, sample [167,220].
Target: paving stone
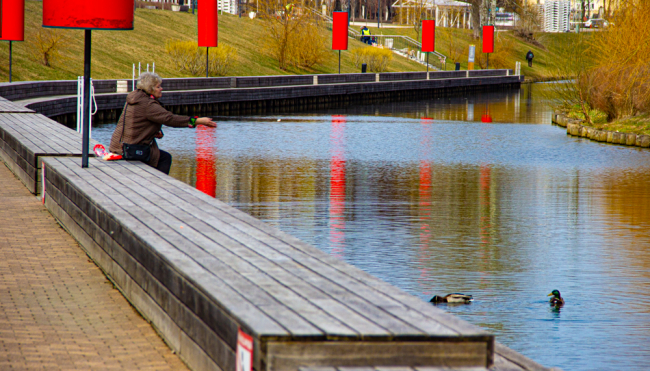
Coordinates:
[57,309]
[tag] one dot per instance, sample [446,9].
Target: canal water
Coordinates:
[477,194]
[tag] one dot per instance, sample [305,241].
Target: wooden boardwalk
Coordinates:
[197,260]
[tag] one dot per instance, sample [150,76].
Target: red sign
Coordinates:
[429,36]
[13,20]
[86,14]
[208,23]
[340,31]
[244,352]
[488,39]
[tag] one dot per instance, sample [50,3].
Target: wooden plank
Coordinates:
[64,135]
[506,357]
[21,138]
[256,284]
[47,135]
[353,310]
[7,106]
[291,355]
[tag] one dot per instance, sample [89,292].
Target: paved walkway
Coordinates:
[57,309]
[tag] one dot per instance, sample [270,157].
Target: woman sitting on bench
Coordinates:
[142,120]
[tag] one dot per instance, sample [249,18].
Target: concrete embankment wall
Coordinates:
[574,127]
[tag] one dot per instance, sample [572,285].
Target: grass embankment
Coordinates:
[114,52]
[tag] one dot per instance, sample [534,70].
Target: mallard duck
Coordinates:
[452,298]
[556,298]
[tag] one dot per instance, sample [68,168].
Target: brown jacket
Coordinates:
[144,118]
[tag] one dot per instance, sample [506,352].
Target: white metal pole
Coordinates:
[139,69]
[80,104]
[147,67]
[133,78]
[90,109]
[154,67]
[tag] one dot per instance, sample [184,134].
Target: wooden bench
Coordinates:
[201,270]
[27,137]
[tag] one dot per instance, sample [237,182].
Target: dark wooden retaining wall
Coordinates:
[291,98]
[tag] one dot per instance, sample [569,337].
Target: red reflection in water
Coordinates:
[487,118]
[425,205]
[206,176]
[337,186]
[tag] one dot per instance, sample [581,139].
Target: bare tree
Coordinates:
[48,45]
[294,36]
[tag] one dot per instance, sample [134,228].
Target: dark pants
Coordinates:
[530,63]
[165,162]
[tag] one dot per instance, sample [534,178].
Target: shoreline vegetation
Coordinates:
[575,127]
[609,97]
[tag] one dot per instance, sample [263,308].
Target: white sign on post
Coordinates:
[472,53]
[244,352]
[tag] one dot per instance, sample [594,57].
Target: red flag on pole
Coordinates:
[429,36]
[340,31]
[89,15]
[12,20]
[488,39]
[208,23]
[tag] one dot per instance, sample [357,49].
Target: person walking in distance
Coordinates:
[529,58]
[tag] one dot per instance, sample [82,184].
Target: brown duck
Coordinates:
[454,298]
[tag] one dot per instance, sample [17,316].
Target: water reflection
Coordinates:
[427,197]
[206,176]
[337,187]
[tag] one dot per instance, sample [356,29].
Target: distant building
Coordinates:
[591,8]
[557,14]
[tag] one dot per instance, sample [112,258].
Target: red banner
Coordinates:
[488,39]
[85,14]
[340,31]
[13,20]
[429,36]
[208,23]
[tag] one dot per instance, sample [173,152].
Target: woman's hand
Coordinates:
[206,121]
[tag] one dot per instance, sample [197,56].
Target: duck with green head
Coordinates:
[556,299]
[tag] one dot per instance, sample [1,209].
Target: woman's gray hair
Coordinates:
[148,81]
